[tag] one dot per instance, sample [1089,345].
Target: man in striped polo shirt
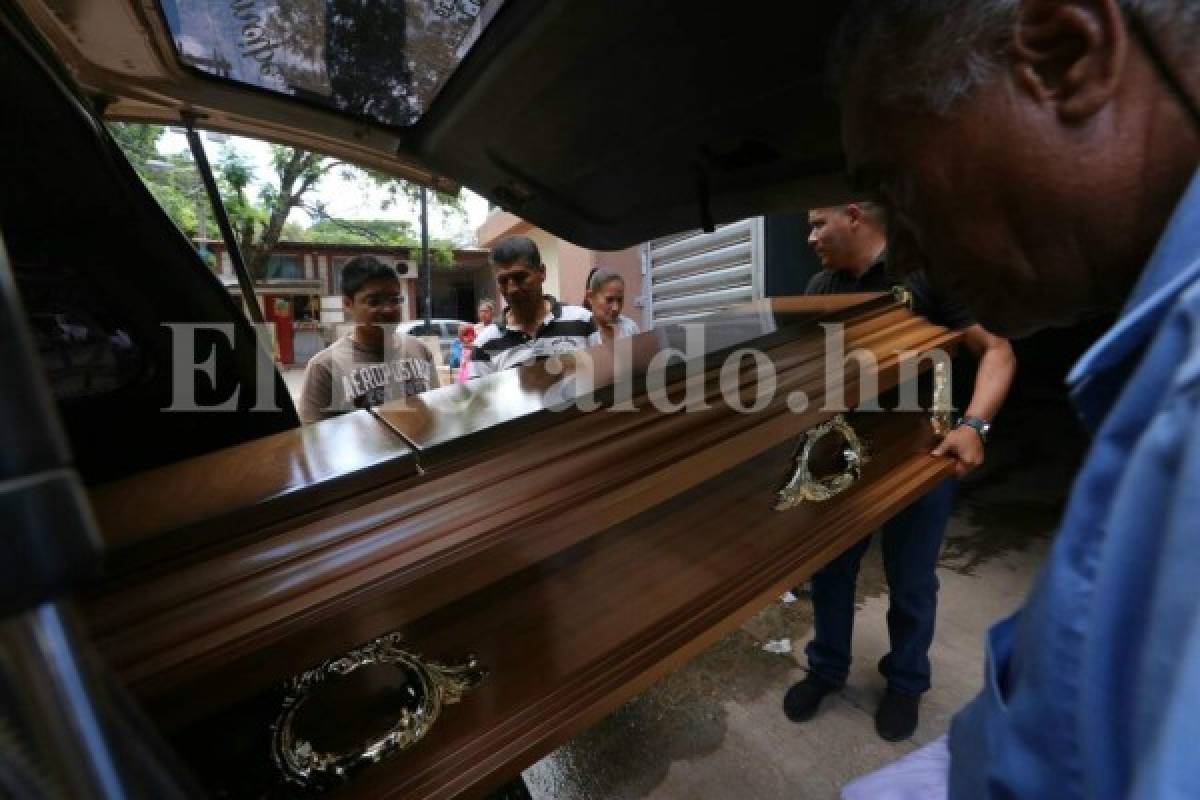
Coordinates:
[533,324]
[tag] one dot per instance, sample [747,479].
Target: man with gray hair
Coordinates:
[1039,157]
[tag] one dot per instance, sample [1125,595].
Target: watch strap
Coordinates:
[981,426]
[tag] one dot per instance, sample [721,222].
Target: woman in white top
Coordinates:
[605,299]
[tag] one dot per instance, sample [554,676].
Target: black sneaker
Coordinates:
[801,702]
[896,718]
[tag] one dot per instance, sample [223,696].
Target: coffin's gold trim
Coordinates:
[803,487]
[941,416]
[438,685]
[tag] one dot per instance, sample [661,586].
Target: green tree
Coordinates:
[388,232]
[297,175]
[333,230]
[138,142]
[260,219]
[235,174]
[172,179]
[448,205]
[259,225]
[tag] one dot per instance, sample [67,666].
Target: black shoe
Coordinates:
[896,718]
[801,702]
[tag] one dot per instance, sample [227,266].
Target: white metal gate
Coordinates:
[695,273]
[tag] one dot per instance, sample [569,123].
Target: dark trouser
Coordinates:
[513,790]
[912,541]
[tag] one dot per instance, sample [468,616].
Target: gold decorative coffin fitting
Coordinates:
[579,555]
[804,487]
[381,682]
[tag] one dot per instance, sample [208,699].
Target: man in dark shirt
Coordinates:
[848,235]
[850,241]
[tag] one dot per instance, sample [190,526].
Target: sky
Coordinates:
[346,199]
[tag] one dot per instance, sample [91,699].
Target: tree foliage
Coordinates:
[387,232]
[171,178]
[260,219]
[361,231]
[297,173]
[398,191]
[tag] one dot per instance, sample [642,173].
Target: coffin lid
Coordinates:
[218,495]
[606,123]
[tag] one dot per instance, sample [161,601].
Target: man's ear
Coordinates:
[347,303]
[1070,54]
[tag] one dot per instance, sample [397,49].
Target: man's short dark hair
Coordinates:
[514,249]
[361,269]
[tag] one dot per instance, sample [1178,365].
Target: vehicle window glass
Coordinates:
[384,60]
[86,351]
[452,329]
[295,268]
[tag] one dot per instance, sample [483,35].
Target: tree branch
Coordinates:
[345,224]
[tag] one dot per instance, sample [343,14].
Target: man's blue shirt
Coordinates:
[1093,688]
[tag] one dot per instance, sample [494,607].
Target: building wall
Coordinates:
[498,225]
[548,246]
[574,264]
[321,263]
[628,264]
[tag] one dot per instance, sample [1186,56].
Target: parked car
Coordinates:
[445,329]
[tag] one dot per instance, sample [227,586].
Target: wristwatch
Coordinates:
[981,426]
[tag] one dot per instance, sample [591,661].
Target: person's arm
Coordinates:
[997,366]
[316,396]
[479,364]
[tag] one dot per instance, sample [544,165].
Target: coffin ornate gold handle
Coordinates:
[941,417]
[361,707]
[803,487]
[903,295]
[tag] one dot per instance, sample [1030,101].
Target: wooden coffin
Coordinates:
[576,555]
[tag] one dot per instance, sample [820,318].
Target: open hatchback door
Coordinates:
[605,123]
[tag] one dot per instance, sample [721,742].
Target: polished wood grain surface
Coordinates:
[623,611]
[251,483]
[569,639]
[446,423]
[196,637]
[226,493]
